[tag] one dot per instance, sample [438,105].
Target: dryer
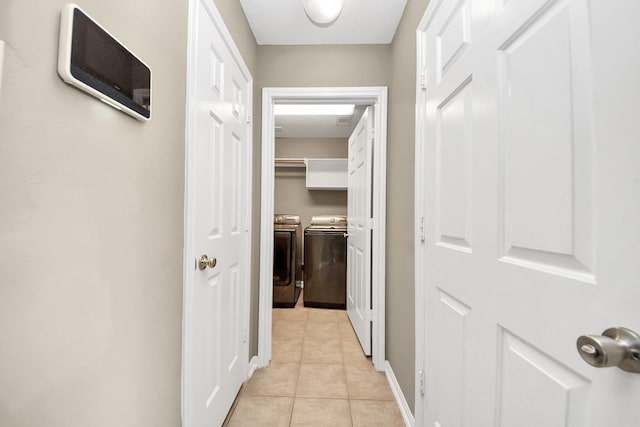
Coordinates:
[287,260]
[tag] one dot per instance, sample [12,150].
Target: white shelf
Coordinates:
[321,174]
[327,174]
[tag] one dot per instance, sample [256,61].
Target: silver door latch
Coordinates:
[618,347]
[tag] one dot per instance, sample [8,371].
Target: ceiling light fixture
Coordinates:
[323,12]
[313,109]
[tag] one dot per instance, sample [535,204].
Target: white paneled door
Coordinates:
[359,229]
[531,185]
[215,351]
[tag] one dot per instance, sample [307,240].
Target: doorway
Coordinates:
[372,96]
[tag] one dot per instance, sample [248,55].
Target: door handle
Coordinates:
[618,347]
[205,262]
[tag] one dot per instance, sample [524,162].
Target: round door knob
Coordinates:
[601,351]
[204,261]
[615,347]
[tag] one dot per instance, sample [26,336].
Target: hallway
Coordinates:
[318,376]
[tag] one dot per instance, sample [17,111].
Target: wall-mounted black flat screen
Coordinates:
[97,63]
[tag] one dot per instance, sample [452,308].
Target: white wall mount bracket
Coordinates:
[1,62]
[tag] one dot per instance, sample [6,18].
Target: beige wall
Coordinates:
[323,65]
[91,227]
[291,193]
[400,328]
[91,224]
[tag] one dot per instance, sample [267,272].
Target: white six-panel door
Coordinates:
[531,163]
[359,229]
[217,297]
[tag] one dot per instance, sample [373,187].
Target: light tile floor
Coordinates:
[318,376]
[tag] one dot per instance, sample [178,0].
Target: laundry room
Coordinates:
[310,196]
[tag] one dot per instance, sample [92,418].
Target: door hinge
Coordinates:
[372,223]
[245,336]
[421,229]
[421,382]
[248,118]
[423,78]
[368,315]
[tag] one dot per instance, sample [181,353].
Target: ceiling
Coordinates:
[317,126]
[284,22]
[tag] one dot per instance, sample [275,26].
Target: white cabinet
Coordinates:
[322,174]
[327,174]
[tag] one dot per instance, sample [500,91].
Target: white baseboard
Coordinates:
[397,393]
[253,365]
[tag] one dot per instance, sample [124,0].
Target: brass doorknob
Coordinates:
[205,262]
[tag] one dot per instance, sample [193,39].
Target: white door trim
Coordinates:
[419,201]
[373,96]
[189,199]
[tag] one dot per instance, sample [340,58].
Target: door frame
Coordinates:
[189,260]
[376,96]
[419,215]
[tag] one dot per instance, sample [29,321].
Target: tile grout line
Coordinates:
[346,378]
[295,390]
[344,364]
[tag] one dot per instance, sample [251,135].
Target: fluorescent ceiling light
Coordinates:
[313,109]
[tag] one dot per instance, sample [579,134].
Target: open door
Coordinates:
[217,238]
[359,229]
[532,213]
